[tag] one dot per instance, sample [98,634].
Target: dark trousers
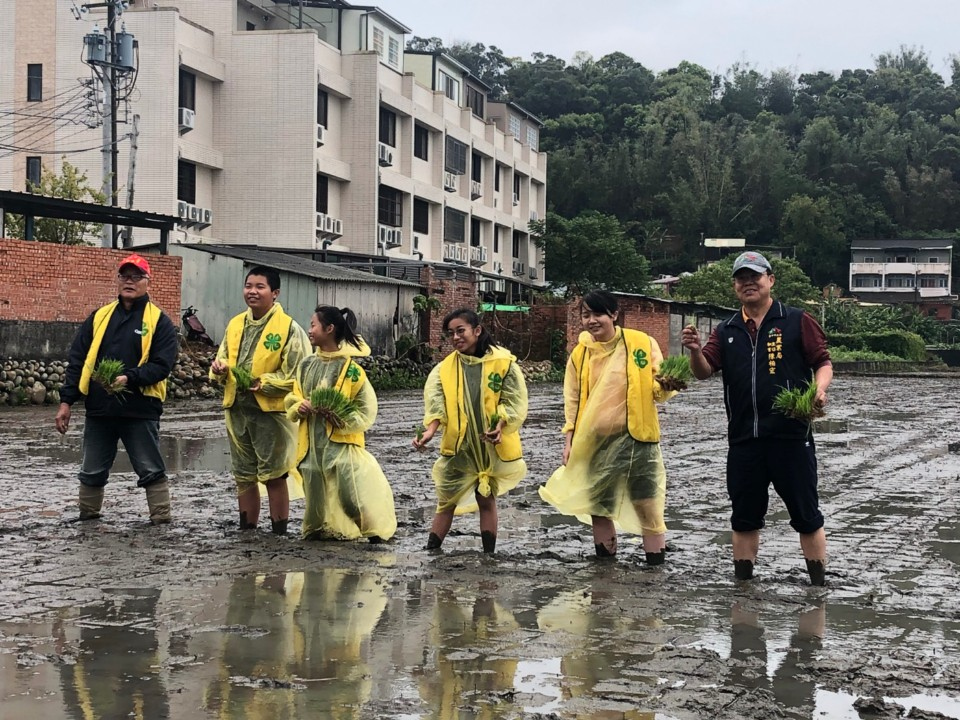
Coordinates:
[141,440]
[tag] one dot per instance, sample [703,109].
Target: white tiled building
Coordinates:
[309,129]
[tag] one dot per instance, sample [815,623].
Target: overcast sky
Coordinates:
[803,35]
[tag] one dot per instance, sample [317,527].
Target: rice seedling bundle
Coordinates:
[494,421]
[243,377]
[333,406]
[106,373]
[420,429]
[799,403]
[675,373]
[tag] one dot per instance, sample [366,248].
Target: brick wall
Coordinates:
[453,293]
[46,282]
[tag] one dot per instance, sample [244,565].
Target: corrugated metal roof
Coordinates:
[298,265]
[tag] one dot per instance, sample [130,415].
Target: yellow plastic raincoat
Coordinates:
[615,468]
[463,392]
[347,496]
[263,441]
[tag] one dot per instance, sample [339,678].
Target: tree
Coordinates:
[813,229]
[588,252]
[70,184]
[714,284]
[487,63]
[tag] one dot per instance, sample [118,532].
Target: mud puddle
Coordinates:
[196,620]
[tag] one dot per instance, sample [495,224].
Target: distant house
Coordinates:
[904,270]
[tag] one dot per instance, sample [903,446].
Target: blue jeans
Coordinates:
[141,440]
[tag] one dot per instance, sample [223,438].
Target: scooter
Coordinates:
[196,332]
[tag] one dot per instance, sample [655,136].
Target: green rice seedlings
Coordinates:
[106,373]
[243,377]
[420,429]
[799,403]
[494,421]
[675,373]
[333,406]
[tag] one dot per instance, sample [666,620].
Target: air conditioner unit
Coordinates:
[193,216]
[498,267]
[395,238]
[321,134]
[450,181]
[328,227]
[449,252]
[476,190]
[478,256]
[416,243]
[483,256]
[337,229]
[518,268]
[384,155]
[185,119]
[533,273]
[516,199]
[533,216]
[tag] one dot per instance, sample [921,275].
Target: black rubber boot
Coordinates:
[278,527]
[489,541]
[817,570]
[743,569]
[375,539]
[434,542]
[602,551]
[244,525]
[656,558]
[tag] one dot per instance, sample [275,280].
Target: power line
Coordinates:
[73,151]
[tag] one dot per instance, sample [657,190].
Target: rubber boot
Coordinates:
[278,527]
[244,525]
[489,541]
[656,558]
[158,500]
[434,542]
[90,501]
[817,569]
[602,551]
[743,569]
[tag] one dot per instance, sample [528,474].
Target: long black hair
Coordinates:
[600,301]
[344,323]
[484,341]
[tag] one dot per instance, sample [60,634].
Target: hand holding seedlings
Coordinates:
[800,403]
[424,435]
[492,435]
[108,374]
[333,406]
[674,373]
[243,377]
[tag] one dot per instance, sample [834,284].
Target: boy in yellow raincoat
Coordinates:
[612,474]
[269,345]
[347,496]
[477,393]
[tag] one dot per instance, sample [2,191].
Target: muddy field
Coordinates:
[117,618]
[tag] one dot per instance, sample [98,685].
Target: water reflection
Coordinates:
[116,673]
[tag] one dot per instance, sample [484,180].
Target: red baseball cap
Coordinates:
[138,262]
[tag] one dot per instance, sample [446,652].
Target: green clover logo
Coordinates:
[353,372]
[640,358]
[144,329]
[272,342]
[495,382]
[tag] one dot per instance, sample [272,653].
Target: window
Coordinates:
[378,41]
[323,193]
[390,206]
[496,178]
[251,26]
[322,101]
[187,93]
[516,244]
[421,216]
[900,281]
[455,159]
[454,225]
[933,260]
[475,235]
[33,172]
[515,126]
[516,187]
[34,83]
[532,138]
[393,52]
[901,258]
[496,238]
[868,259]
[937,282]
[186,182]
[449,86]
[475,101]
[421,142]
[476,167]
[388,127]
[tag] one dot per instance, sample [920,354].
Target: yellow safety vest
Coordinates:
[642,420]
[351,380]
[151,316]
[266,356]
[494,370]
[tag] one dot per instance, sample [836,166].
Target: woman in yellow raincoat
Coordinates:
[612,474]
[346,494]
[477,393]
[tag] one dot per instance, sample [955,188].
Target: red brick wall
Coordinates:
[64,283]
[453,294]
[646,314]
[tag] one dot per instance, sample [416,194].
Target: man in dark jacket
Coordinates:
[763,348]
[138,334]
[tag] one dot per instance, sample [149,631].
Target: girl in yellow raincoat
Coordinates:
[612,474]
[477,393]
[346,494]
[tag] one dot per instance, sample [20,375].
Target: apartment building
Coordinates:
[303,127]
[904,271]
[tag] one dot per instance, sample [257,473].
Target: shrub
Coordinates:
[900,343]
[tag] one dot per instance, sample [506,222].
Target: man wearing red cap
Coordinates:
[136,332]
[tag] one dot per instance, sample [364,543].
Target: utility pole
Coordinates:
[131,175]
